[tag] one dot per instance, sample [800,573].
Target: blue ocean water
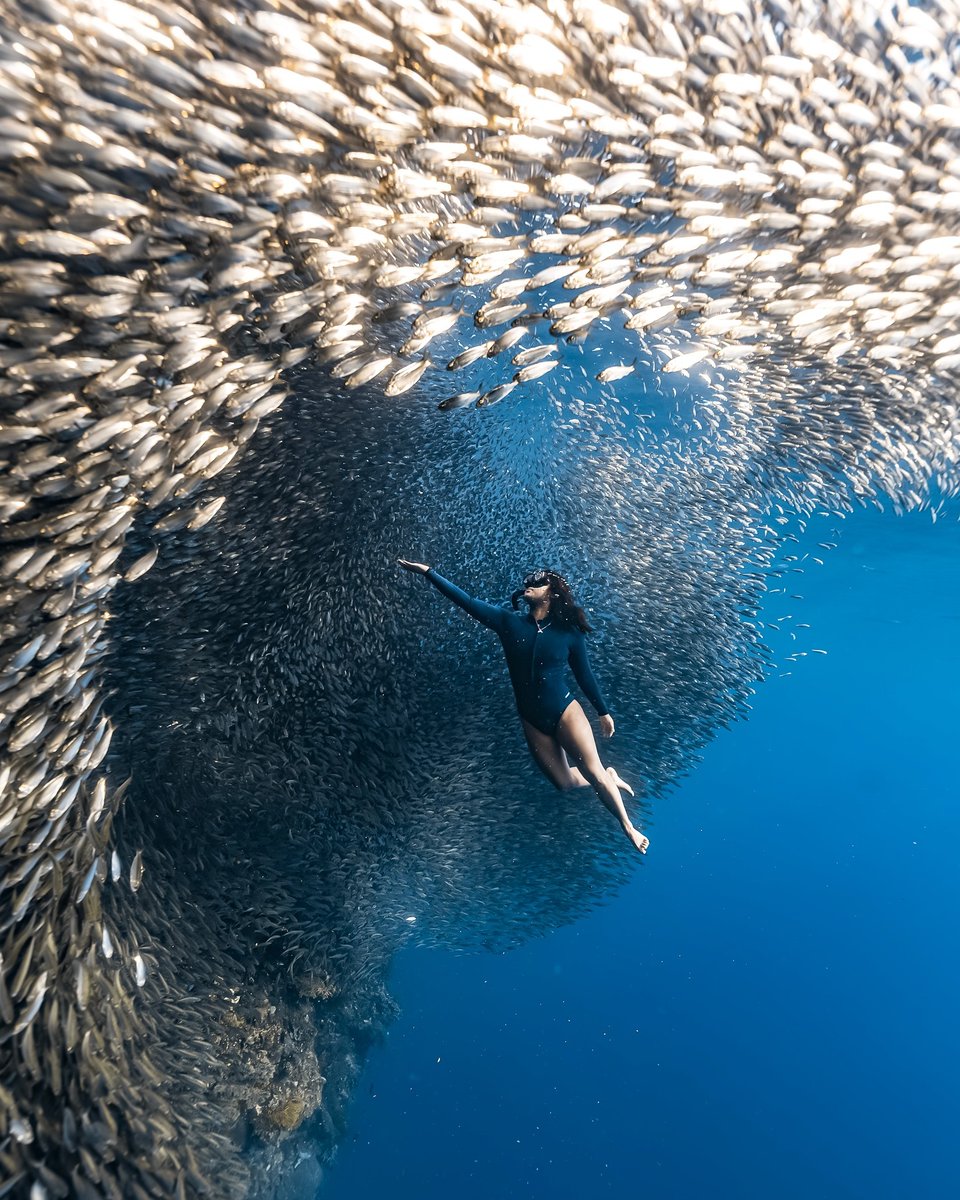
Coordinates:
[767,1009]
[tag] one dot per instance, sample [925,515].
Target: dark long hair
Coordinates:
[563,607]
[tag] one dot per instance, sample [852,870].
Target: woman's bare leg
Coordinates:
[581,779]
[576,737]
[583,782]
[550,758]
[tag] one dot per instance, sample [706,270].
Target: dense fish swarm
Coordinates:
[462,201]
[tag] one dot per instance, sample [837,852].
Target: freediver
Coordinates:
[538,646]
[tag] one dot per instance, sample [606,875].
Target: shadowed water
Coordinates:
[338,752]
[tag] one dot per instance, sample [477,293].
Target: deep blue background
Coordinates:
[769,1008]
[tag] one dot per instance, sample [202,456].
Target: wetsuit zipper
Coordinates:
[533,655]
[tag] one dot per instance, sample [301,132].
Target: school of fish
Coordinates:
[266,272]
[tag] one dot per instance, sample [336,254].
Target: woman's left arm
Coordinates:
[584,675]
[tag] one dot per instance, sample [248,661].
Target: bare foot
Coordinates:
[620,783]
[638,840]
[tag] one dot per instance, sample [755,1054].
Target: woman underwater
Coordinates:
[538,646]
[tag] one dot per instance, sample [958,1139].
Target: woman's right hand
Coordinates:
[419,568]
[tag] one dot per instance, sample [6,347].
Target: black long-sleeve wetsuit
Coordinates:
[536,658]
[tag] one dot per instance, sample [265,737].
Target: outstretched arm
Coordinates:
[584,675]
[487,614]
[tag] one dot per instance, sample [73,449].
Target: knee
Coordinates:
[595,772]
[579,773]
[567,785]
